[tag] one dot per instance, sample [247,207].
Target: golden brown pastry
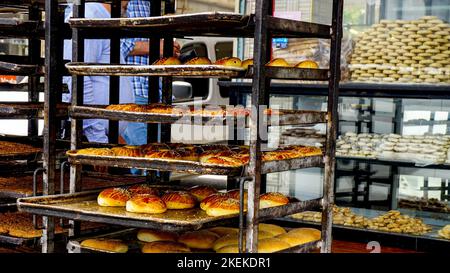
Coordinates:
[154,147]
[278,62]
[270,245]
[204,205]
[201,192]
[229,61]
[222,231]
[272,199]
[295,239]
[166,155]
[201,239]
[307,64]
[229,249]
[111,245]
[149,235]
[246,63]
[96,151]
[198,61]
[127,151]
[165,247]
[146,203]
[223,158]
[272,229]
[233,239]
[235,194]
[179,200]
[142,189]
[168,61]
[223,207]
[113,197]
[187,154]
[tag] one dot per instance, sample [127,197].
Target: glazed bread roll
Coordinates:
[201,239]
[179,200]
[270,245]
[204,205]
[127,151]
[246,63]
[272,199]
[168,61]
[201,192]
[110,245]
[146,203]
[229,61]
[235,195]
[278,62]
[113,197]
[222,231]
[307,64]
[233,239]
[300,236]
[223,207]
[96,151]
[272,229]
[142,189]
[198,61]
[149,235]
[165,247]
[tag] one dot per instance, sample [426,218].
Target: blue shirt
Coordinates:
[96,88]
[137,8]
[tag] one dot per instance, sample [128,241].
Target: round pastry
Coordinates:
[233,239]
[148,235]
[270,245]
[222,231]
[127,151]
[246,63]
[165,247]
[201,239]
[168,61]
[142,189]
[229,61]
[110,245]
[179,200]
[312,232]
[204,205]
[113,197]
[300,237]
[201,192]
[272,229]
[272,199]
[146,203]
[307,64]
[278,62]
[224,207]
[198,61]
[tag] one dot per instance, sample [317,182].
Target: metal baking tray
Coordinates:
[96,69]
[83,206]
[26,110]
[191,167]
[285,117]
[292,73]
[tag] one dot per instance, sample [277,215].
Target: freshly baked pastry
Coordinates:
[229,61]
[127,151]
[110,245]
[165,247]
[223,158]
[154,147]
[166,155]
[223,207]
[142,189]
[113,197]
[270,245]
[220,196]
[272,229]
[246,63]
[201,192]
[146,203]
[179,200]
[235,194]
[307,64]
[159,108]
[233,239]
[129,107]
[229,249]
[187,154]
[96,151]
[222,231]
[149,235]
[198,61]
[272,199]
[300,236]
[201,239]
[278,155]
[168,61]
[278,62]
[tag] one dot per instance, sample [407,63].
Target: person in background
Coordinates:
[136,51]
[96,88]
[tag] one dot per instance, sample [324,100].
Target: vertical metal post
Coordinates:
[260,97]
[169,7]
[76,132]
[114,81]
[53,82]
[34,54]
[332,115]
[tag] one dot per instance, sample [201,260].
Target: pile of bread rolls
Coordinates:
[445,232]
[405,51]
[143,198]
[394,221]
[271,238]
[358,145]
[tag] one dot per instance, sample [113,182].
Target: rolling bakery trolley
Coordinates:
[262,27]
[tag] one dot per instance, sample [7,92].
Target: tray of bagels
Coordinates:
[158,207]
[197,159]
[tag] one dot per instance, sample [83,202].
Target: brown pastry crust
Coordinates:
[127,151]
[307,64]
[229,61]
[168,61]
[167,155]
[201,192]
[278,62]
[142,189]
[146,203]
[111,245]
[179,200]
[246,63]
[165,247]
[222,231]
[224,207]
[96,151]
[201,239]
[198,61]
[148,235]
[235,194]
[204,205]
[270,245]
[272,229]
[272,199]
[113,197]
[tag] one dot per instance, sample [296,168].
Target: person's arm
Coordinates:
[143,48]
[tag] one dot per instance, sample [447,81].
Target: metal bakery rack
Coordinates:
[262,26]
